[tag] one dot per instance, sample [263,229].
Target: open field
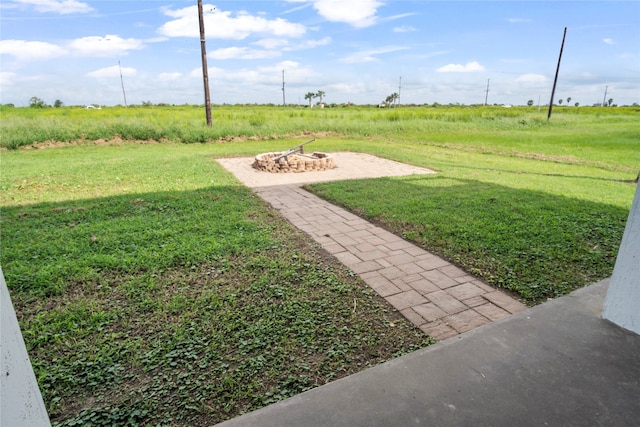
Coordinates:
[151,286]
[517,128]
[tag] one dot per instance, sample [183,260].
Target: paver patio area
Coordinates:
[437,296]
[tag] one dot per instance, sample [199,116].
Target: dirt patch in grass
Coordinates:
[117,140]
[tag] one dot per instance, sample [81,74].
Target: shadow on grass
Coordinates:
[631,180]
[48,244]
[184,308]
[533,243]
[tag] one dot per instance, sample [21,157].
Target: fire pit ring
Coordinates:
[294,160]
[299,162]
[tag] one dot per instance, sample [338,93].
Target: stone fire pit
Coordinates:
[295,162]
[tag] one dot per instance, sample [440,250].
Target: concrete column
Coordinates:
[622,303]
[21,403]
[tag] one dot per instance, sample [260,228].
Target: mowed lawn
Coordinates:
[152,287]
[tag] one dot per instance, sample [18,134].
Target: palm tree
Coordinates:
[320,95]
[310,96]
[391,99]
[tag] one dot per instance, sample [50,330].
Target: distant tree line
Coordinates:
[391,100]
[36,102]
[608,103]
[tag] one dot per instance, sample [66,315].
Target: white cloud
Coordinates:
[348,88]
[7,78]
[284,44]
[63,7]
[297,8]
[294,71]
[608,41]
[24,50]
[518,20]
[432,54]
[243,53]
[627,55]
[359,58]
[395,17]
[272,43]
[309,44]
[469,67]
[370,55]
[197,72]
[360,14]
[225,25]
[107,46]
[155,40]
[292,67]
[113,71]
[532,78]
[404,29]
[268,75]
[93,46]
[169,76]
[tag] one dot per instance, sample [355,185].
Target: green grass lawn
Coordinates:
[152,287]
[533,243]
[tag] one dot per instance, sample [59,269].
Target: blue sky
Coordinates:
[356,51]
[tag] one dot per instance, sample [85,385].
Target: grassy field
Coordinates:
[494,127]
[152,287]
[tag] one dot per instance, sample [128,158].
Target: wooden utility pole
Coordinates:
[124,94]
[284,102]
[486,96]
[555,80]
[205,71]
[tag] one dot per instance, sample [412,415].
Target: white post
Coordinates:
[622,303]
[21,403]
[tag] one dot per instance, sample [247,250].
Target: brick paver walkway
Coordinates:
[438,297]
